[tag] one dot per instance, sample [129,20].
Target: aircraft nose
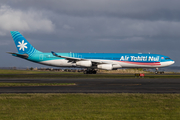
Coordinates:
[172,62]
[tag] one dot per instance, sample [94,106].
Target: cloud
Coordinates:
[4,43]
[67,27]
[19,20]
[93,26]
[133,9]
[121,29]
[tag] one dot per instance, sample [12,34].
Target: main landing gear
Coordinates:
[90,71]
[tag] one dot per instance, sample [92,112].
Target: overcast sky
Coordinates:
[112,26]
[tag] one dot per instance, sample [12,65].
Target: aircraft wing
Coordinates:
[67,58]
[78,59]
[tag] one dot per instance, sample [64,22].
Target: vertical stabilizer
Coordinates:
[22,45]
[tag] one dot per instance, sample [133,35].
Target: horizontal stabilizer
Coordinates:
[19,55]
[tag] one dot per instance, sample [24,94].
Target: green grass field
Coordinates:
[49,74]
[90,106]
[4,71]
[34,84]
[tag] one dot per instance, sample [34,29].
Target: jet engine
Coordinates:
[105,66]
[108,66]
[84,63]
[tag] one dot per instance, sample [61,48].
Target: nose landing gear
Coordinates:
[156,72]
[159,72]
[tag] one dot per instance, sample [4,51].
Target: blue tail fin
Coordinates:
[22,45]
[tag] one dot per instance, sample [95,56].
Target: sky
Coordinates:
[101,26]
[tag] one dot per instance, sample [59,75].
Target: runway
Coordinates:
[136,85]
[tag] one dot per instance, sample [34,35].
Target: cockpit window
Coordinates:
[167,58]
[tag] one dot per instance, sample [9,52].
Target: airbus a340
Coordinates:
[91,61]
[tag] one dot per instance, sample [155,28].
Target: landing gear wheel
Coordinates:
[94,72]
[91,71]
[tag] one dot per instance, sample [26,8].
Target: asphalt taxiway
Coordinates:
[136,85]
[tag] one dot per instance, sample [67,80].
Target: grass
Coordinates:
[3,71]
[90,106]
[50,74]
[81,75]
[34,84]
[132,71]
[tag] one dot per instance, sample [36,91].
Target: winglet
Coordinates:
[55,54]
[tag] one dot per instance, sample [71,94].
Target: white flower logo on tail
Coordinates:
[22,45]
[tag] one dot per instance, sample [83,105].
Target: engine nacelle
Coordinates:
[105,66]
[109,66]
[84,63]
[115,66]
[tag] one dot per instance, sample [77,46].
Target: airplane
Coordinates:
[91,61]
